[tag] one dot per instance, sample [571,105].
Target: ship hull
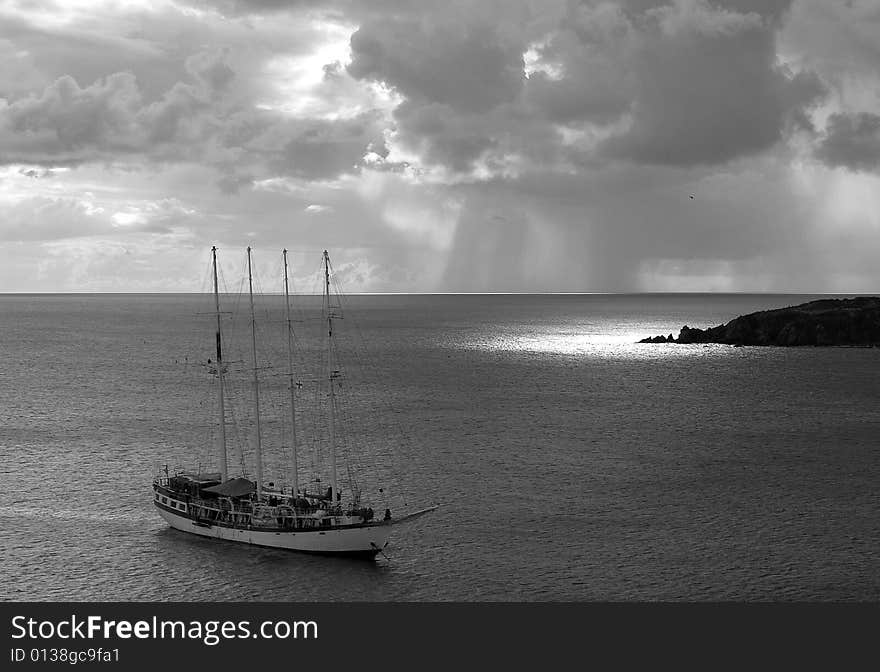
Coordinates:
[357,540]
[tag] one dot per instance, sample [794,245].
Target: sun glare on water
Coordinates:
[559,343]
[618,345]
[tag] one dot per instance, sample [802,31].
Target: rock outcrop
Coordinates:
[824,322]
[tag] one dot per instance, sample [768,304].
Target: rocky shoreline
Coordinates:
[824,322]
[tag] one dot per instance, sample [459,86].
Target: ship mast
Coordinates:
[258,446]
[293,469]
[330,379]
[221,448]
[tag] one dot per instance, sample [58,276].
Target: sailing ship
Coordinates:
[213,504]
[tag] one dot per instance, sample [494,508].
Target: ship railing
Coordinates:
[264,513]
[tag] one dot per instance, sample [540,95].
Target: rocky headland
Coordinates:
[824,322]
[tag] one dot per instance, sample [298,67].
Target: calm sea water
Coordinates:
[569,462]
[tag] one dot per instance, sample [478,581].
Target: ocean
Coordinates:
[569,463]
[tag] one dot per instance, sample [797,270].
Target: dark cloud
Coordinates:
[585,75]
[841,44]
[709,89]
[689,83]
[231,183]
[460,77]
[588,96]
[210,68]
[470,68]
[772,9]
[852,141]
[319,149]
[443,137]
[268,144]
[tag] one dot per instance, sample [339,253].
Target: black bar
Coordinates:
[424,635]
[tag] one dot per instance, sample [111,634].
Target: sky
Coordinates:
[457,146]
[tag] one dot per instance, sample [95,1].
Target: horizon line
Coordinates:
[536,293]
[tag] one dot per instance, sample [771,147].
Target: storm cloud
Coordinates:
[501,145]
[852,141]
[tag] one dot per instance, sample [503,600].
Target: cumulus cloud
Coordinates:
[65,119]
[108,120]
[69,123]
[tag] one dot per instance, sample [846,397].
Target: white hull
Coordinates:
[355,540]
